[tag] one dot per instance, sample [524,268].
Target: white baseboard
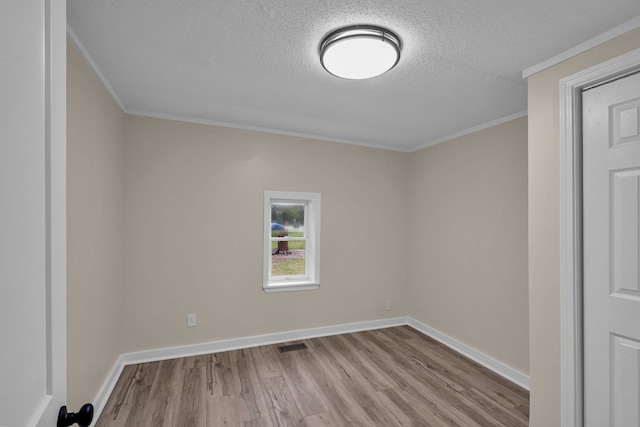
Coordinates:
[255,341]
[488,362]
[280,337]
[107,388]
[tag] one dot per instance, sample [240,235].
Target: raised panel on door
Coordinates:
[625,187]
[625,381]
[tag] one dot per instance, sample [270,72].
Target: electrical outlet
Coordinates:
[387,305]
[191,320]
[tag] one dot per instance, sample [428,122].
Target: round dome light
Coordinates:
[360,51]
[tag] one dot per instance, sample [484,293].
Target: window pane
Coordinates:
[287,259]
[287,218]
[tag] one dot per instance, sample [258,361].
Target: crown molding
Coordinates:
[603,38]
[473,130]
[84,53]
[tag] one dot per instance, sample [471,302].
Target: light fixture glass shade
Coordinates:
[360,52]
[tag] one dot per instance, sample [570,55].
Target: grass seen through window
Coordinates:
[288,264]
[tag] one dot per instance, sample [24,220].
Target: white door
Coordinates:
[611,209]
[32,211]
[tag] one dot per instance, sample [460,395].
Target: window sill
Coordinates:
[291,287]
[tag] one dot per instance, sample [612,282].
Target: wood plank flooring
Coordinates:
[386,377]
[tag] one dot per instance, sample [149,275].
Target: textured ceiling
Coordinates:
[254,63]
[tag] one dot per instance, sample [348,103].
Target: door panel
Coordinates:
[611,218]
[625,380]
[626,127]
[624,223]
[32,214]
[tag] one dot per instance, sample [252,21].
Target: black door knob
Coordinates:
[83,417]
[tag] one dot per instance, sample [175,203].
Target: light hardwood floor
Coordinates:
[386,377]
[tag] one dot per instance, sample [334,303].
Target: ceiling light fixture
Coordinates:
[360,51]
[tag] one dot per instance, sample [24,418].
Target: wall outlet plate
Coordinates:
[191,320]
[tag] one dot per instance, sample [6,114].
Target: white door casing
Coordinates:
[571,225]
[33,211]
[611,217]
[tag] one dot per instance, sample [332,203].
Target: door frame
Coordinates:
[571,280]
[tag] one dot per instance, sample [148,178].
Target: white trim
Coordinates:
[75,40]
[274,131]
[488,362]
[570,257]
[255,341]
[571,226]
[294,287]
[239,126]
[100,401]
[472,130]
[583,47]
[146,356]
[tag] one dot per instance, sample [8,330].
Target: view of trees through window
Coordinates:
[288,239]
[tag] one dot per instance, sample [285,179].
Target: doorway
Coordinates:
[571,138]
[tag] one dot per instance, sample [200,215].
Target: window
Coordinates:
[291,241]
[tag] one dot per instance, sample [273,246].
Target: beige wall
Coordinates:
[468,228]
[194,202]
[95,162]
[544,226]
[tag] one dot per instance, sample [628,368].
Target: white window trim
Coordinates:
[311,280]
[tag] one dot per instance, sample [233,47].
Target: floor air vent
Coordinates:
[292,347]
